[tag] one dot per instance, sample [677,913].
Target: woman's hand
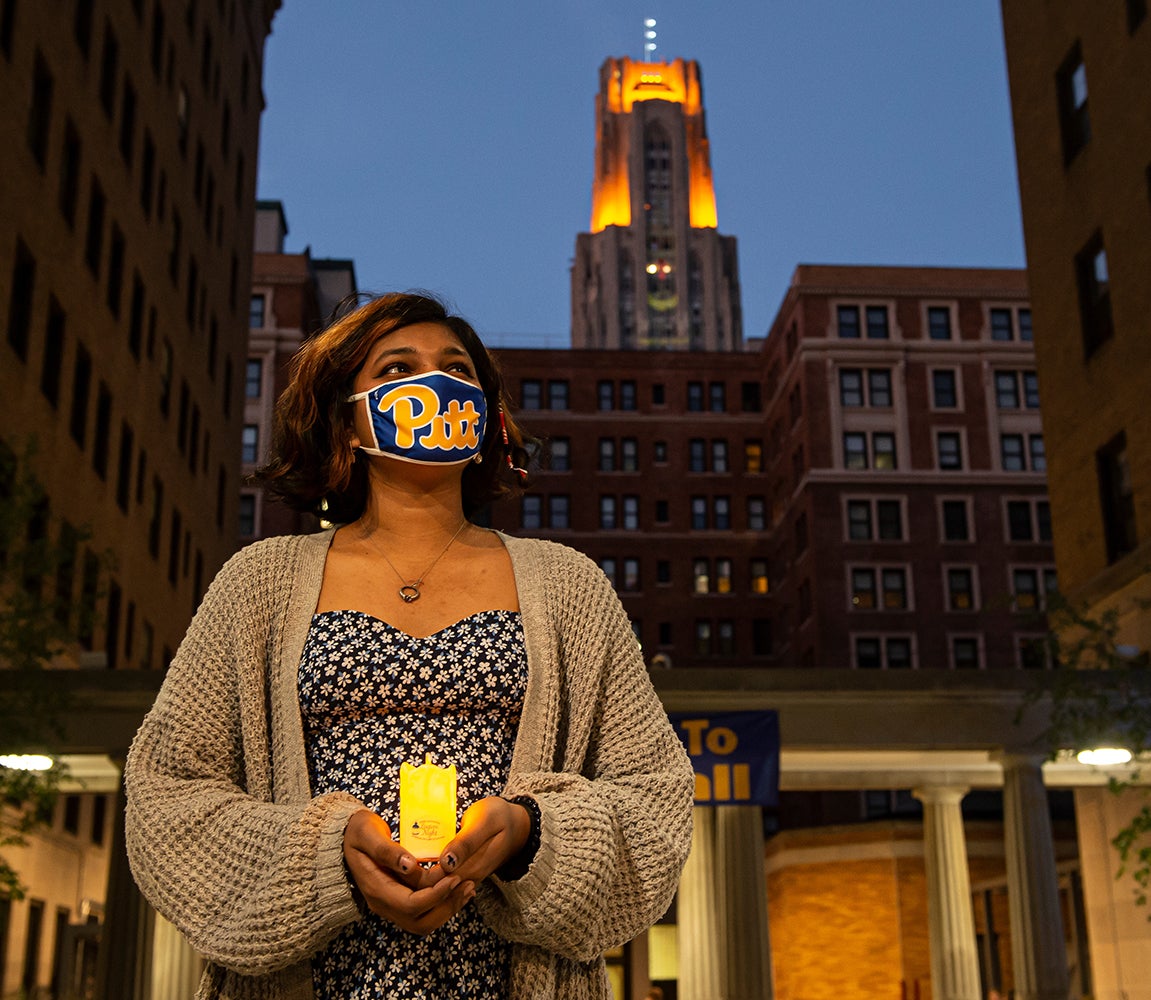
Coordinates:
[492,831]
[393,885]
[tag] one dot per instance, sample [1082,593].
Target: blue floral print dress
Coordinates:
[372,697]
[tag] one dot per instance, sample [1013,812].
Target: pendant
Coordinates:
[409,592]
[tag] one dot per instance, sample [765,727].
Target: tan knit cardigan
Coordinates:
[227,841]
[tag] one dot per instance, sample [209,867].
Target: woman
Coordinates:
[262,786]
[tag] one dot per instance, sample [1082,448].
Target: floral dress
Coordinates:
[372,697]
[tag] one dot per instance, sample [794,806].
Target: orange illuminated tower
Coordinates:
[654,272]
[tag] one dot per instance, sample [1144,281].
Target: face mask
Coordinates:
[430,419]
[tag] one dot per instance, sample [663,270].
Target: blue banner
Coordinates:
[735,756]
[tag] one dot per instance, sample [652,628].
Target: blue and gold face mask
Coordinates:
[431,419]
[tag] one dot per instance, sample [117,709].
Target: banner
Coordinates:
[735,756]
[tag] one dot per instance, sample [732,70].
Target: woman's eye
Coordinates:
[395,368]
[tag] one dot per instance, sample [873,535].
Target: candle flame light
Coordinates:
[427,808]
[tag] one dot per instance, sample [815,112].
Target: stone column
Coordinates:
[742,884]
[698,935]
[951,925]
[1038,949]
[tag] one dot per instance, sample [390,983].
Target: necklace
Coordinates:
[410,591]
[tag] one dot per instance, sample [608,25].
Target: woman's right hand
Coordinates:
[389,878]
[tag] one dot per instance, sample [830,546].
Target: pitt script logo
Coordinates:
[415,408]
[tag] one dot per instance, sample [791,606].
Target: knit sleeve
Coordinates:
[254,886]
[616,825]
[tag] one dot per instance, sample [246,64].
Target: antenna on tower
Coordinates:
[648,39]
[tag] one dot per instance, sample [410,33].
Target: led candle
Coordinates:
[427,808]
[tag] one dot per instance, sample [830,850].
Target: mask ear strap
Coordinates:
[522,473]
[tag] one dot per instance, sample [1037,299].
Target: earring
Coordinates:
[478,458]
[522,473]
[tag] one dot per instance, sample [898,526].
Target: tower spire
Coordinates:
[648,39]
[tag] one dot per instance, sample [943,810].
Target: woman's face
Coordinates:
[410,350]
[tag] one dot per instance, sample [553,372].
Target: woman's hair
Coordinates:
[313,467]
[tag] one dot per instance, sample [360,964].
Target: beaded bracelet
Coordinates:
[517,866]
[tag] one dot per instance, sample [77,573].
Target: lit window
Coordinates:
[960,590]
[863,593]
[701,576]
[883,446]
[753,456]
[759,582]
[723,576]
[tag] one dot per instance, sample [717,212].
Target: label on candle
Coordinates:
[427,808]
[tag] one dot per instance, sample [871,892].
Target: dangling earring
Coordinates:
[522,473]
[324,522]
[477,458]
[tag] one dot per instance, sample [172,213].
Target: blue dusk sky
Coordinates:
[448,145]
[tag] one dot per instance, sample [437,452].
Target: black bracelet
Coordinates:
[517,866]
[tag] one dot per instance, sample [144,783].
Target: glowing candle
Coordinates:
[427,808]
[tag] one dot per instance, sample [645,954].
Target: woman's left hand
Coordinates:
[492,831]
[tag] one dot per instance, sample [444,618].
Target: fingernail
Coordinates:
[450,862]
[406,864]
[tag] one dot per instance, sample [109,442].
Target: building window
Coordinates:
[753,456]
[659,453]
[960,589]
[531,394]
[247,515]
[627,397]
[249,444]
[883,450]
[863,589]
[629,455]
[1071,89]
[257,312]
[847,322]
[631,578]
[877,326]
[756,514]
[1116,497]
[662,512]
[697,455]
[608,565]
[944,391]
[700,576]
[253,378]
[1030,588]
[94,238]
[559,511]
[53,352]
[938,323]
[531,511]
[879,387]
[81,387]
[1037,452]
[699,513]
[758,576]
[1136,12]
[658,394]
[956,521]
[703,637]
[559,454]
[717,397]
[722,509]
[750,397]
[964,652]
[870,519]
[851,387]
[855,450]
[877,652]
[605,394]
[949,449]
[631,513]
[719,456]
[606,454]
[558,394]
[695,397]
[40,113]
[1094,294]
[20,303]
[607,519]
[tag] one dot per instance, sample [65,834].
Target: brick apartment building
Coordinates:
[878,465]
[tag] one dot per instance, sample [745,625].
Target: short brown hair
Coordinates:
[313,467]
